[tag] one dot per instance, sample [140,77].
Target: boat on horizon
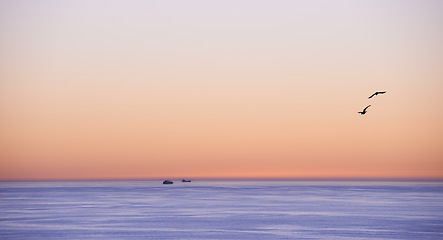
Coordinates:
[184,180]
[168,182]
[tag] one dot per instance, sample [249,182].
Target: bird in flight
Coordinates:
[376,93]
[364,110]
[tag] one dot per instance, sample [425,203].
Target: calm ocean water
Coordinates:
[221,210]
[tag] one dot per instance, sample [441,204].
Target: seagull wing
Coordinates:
[381,92]
[364,110]
[372,95]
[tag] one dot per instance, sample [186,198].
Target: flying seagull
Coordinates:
[376,93]
[364,110]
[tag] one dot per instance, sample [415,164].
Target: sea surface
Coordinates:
[221,210]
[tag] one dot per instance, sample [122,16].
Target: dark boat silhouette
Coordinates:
[168,182]
[186,180]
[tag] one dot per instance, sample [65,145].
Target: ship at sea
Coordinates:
[168,182]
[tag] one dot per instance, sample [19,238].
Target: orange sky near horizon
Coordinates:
[221,89]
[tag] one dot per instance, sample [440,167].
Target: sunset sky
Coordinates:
[112,89]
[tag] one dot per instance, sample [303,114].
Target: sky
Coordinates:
[108,89]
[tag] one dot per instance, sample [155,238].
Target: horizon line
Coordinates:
[420,179]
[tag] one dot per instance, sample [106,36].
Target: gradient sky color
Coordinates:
[220,89]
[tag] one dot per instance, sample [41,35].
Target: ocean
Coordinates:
[221,210]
